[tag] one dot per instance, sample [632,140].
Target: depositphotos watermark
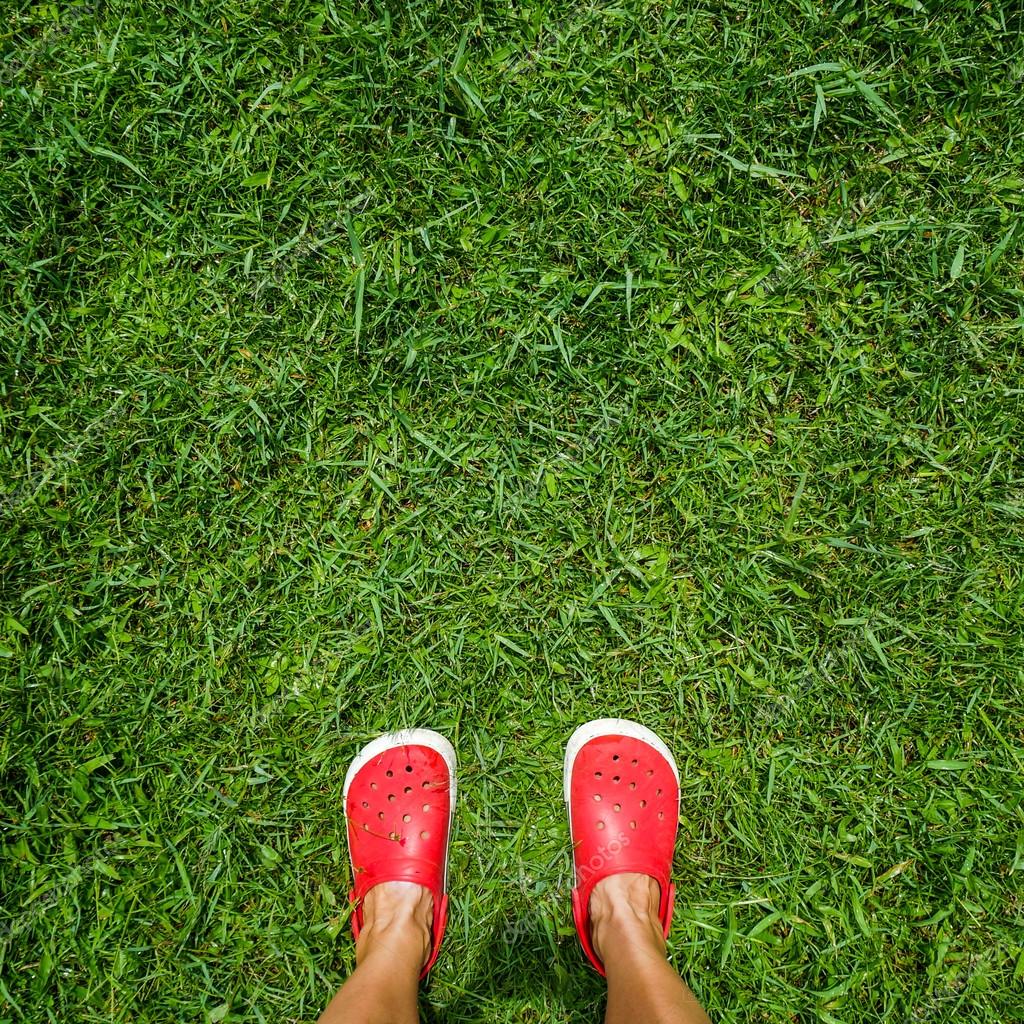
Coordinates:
[600,858]
[18,62]
[523,927]
[13,927]
[58,463]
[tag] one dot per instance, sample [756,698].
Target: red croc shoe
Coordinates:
[399,799]
[622,793]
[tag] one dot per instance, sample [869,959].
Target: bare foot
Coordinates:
[397,920]
[624,909]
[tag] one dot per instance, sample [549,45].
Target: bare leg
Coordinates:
[390,953]
[642,985]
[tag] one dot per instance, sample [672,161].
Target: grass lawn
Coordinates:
[491,368]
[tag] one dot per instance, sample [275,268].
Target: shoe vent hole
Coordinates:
[600,824]
[597,797]
[616,808]
[426,808]
[406,818]
[424,834]
[408,767]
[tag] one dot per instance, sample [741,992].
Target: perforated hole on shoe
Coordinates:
[600,824]
[616,807]
[408,789]
[426,807]
[597,797]
[424,834]
[406,818]
[408,767]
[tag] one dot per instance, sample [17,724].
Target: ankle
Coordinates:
[397,920]
[624,915]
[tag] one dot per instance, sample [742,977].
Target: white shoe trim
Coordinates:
[610,727]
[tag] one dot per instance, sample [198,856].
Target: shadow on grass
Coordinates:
[522,974]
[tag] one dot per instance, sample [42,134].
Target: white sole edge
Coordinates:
[610,727]
[407,738]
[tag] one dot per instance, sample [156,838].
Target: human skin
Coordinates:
[394,945]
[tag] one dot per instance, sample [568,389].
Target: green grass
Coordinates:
[491,368]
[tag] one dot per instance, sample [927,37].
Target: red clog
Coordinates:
[622,793]
[399,799]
